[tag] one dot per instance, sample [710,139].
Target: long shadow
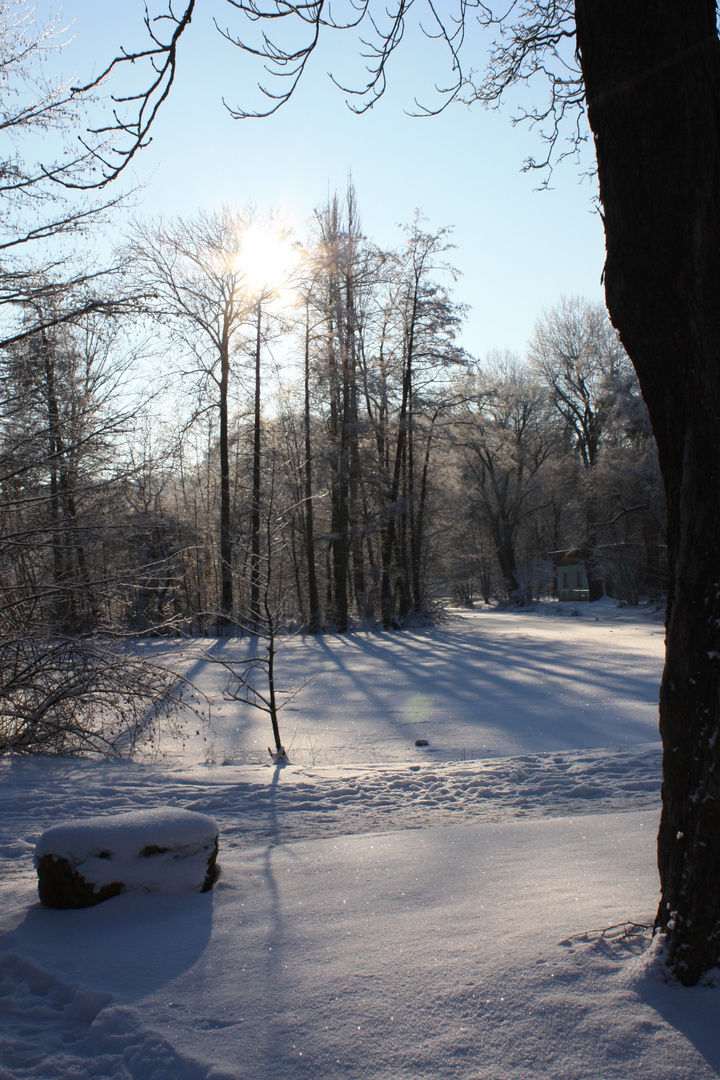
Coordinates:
[526,691]
[692,1011]
[248,645]
[275,993]
[512,689]
[360,679]
[217,648]
[515,658]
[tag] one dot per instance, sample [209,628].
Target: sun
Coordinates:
[265,259]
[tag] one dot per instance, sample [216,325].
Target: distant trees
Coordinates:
[560,459]
[59,463]
[505,438]
[578,355]
[340,286]
[68,683]
[357,428]
[594,391]
[404,470]
[428,322]
[49,438]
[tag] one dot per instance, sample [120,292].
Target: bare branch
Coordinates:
[162,56]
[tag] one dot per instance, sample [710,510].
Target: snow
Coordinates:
[488,684]
[476,908]
[114,848]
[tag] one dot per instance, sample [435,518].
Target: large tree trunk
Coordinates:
[652,77]
[315,614]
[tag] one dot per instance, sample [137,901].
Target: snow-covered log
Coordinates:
[81,863]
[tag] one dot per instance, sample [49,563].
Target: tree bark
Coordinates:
[652,78]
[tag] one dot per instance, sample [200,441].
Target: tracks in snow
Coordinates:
[265,804]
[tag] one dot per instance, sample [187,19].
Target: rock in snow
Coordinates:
[81,863]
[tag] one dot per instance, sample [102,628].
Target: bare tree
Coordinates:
[505,441]
[202,302]
[253,679]
[579,357]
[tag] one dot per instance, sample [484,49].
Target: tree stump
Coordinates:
[81,863]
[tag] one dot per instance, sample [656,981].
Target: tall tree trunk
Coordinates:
[504,536]
[652,77]
[255,522]
[315,616]
[67,542]
[226,583]
[340,528]
[339,516]
[391,508]
[418,541]
[408,544]
[54,457]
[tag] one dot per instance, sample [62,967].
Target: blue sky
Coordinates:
[518,249]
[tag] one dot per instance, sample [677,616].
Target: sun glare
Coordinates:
[265,258]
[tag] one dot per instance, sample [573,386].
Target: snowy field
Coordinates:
[383,910]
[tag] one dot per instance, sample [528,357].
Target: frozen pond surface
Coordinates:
[487,684]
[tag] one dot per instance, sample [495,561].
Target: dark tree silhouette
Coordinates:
[652,77]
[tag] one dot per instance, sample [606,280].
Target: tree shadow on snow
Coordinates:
[692,1011]
[536,694]
[272,979]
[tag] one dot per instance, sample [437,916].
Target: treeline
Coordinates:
[327,445]
[559,466]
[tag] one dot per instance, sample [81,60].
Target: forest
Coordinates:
[168,457]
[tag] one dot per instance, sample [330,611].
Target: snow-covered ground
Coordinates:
[383,910]
[486,685]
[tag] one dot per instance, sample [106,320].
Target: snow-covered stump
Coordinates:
[82,863]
